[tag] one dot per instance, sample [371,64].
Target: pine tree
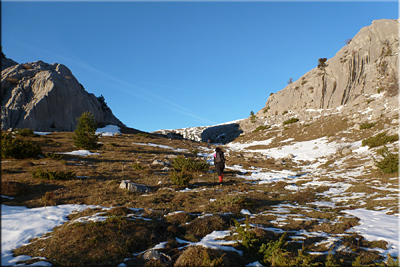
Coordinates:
[85,133]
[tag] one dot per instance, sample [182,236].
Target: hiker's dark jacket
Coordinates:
[220,166]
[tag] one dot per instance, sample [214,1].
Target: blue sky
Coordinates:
[168,65]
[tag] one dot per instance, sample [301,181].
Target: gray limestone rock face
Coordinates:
[367,65]
[47,97]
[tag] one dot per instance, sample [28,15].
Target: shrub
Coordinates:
[54,156]
[292,120]
[390,161]
[260,128]
[103,103]
[26,132]
[180,163]
[379,139]
[253,118]
[137,166]
[275,253]
[181,178]
[52,175]
[85,133]
[194,152]
[251,113]
[17,148]
[290,80]
[303,82]
[245,235]
[321,63]
[367,125]
[145,135]
[266,109]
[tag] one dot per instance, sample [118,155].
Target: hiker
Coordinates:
[219,163]
[208,143]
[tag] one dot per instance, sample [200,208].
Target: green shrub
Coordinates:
[260,128]
[85,133]
[137,166]
[103,103]
[52,175]
[26,132]
[253,118]
[145,135]
[54,156]
[292,120]
[181,178]
[390,161]
[379,140]
[321,63]
[245,235]
[275,253]
[266,109]
[194,152]
[181,163]
[366,125]
[17,148]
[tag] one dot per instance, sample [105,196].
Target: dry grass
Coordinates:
[97,180]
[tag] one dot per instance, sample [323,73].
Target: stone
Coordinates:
[156,255]
[132,187]
[158,162]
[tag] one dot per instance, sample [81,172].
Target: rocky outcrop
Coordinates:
[6,62]
[47,97]
[221,133]
[367,65]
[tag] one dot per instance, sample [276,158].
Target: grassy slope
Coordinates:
[110,242]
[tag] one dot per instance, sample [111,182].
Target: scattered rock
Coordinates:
[158,162]
[156,255]
[132,187]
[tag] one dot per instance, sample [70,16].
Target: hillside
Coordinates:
[320,187]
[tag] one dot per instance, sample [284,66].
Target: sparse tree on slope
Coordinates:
[85,133]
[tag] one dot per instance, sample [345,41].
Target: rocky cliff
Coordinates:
[360,82]
[367,65]
[47,97]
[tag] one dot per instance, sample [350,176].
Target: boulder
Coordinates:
[156,255]
[132,187]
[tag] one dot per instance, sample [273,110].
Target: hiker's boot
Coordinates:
[221,178]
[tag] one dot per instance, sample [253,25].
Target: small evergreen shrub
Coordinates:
[253,118]
[17,148]
[145,135]
[181,178]
[26,132]
[260,128]
[103,103]
[366,125]
[54,156]
[292,120]
[194,152]
[245,235]
[52,175]
[390,161]
[137,166]
[85,133]
[181,163]
[321,63]
[266,109]
[379,140]
[274,252]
